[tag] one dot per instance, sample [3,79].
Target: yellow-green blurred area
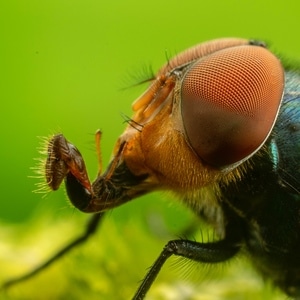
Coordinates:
[72,67]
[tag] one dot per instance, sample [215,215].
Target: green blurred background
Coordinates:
[64,66]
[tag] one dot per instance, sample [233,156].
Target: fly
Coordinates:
[222,116]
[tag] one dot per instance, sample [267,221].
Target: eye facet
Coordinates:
[229,103]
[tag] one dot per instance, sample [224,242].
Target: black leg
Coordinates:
[201,252]
[91,228]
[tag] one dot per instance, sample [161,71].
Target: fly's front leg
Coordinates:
[201,252]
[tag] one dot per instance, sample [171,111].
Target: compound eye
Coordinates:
[229,103]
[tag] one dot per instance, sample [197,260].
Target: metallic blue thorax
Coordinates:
[286,135]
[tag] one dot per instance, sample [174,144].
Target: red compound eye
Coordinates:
[229,102]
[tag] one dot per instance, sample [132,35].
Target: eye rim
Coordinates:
[227,165]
